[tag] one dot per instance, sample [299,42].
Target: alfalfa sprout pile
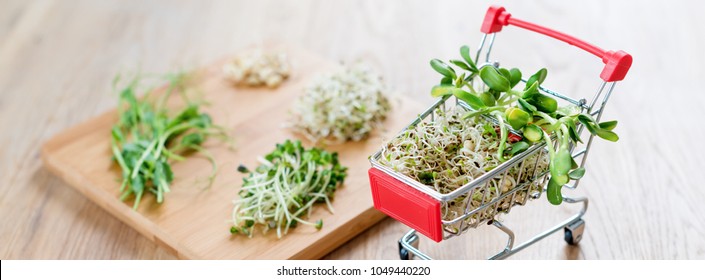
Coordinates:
[344,105]
[450,151]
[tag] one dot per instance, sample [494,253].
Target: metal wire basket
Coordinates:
[428,211]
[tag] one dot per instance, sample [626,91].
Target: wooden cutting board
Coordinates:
[194,221]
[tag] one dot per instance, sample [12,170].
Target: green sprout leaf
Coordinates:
[539,77]
[531,90]
[533,133]
[609,125]
[442,90]
[472,100]
[518,147]
[560,166]
[461,64]
[488,99]
[494,79]
[517,118]
[505,73]
[526,106]
[469,98]
[607,135]
[459,80]
[544,103]
[447,81]
[562,162]
[577,173]
[194,138]
[319,224]
[569,110]
[243,169]
[588,122]
[465,53]
[442,68]
[514,77]
[553,192]
[573,133]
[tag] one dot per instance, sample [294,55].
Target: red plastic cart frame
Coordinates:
[617,63]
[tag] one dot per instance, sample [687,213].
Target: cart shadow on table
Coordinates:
[573,253]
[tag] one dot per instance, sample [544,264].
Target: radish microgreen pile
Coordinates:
[282,190]
[536,115]
[148,135]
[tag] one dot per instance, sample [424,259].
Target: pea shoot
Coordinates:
[283,189]
[534,114]
[149,136]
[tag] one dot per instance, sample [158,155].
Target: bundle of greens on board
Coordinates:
[534,114]
[149,135]
[281,191]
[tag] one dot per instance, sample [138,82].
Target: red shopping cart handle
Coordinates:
[617,63]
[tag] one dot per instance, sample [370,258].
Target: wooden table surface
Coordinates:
[647,200]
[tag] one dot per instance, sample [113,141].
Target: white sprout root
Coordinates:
[345,105]
[450,152]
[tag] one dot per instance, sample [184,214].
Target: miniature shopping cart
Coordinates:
[420,207]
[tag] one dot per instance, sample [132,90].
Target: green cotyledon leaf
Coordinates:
[533,133]
[608,125]
[442,68]
[488,98]
[514,77]
[526,106]
[493,79]
[607,135]
[517,118]
[577,173]
[442,90]
[544,103]
[461,64]
[469,98]
[553,192]
[465,53]
[539,77]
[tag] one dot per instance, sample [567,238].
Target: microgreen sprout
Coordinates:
[529,111]
[341,106]
[282,190]
[450,151]
[148,136]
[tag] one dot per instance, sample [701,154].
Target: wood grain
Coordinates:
[57,60]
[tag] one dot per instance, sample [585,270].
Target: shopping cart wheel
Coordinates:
[573,232]
[404,254]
